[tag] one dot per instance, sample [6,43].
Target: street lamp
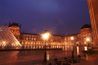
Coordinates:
[45,37]
[87,43]
[75,47]
[87,46]
[88,39]
[72,38]
[72,41]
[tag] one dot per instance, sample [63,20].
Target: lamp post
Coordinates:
[87,44]
[73,48]
[45,37]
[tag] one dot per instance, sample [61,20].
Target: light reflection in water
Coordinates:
[8,57]
[28,57]
[78,51]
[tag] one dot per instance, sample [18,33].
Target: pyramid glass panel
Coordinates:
[7,39]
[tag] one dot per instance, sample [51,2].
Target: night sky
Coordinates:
[57,16]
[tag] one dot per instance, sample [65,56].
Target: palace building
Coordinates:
[85,37]
[34,41]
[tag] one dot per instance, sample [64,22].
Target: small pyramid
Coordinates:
[7,39]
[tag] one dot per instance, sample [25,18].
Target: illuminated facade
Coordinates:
[93,11]
[70,41]
[85,32]
[85,37]
[65,42]
[34,41]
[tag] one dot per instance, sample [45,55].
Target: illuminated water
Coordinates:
[34,57]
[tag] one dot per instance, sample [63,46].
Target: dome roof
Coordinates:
[86,26]
[13,24]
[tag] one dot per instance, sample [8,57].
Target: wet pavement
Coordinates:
[29,57]
[37,57]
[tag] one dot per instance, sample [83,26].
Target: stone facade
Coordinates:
[93,11]
[34,41]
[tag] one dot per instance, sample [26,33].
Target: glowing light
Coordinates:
[78,51]
[45,36]
[85,48]
[48,57]
[72,38]
[88,39]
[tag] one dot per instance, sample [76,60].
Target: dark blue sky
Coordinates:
[58,16]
